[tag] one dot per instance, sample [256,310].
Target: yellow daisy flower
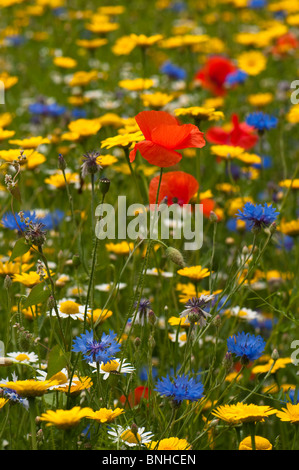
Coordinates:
[200,112]
[105,415]
[77,386]
[243,413]
[279,364]
[122,248]
[170,443]
[290,413]
[29,279]
[65,419]
[252,62]
[3,401]
[29,388]
[30,143]
[5,134]
[288,183]
[260,100]
[8,80]
[122,140]
[196,273]
[290,228]
[65,62]
[156,100]
[261,443]
[136,84]
[92,43]
[83,78]
[85,127]
[226,151]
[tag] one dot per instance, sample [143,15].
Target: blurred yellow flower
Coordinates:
[252,62]
[136,84]
[65,62]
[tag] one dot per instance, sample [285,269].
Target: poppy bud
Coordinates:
[104,185]
[76,261]
[175,256]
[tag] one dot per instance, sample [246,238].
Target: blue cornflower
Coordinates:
[50,220]
[53,109]
[144,373]
[285,243]
[236,78]
[258,215]
[180,388]
[246,346]
[173,71]
[261,121]
[94,350]
[291,394]
[256,4]
[13,221]
[14,397]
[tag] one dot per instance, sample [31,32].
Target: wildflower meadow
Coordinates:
[149,223]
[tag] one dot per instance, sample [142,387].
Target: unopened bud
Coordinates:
[137,342]
[275,354]
[152,317]
[7,282]
[104,185]
[213,217]
[272,228]
[152,342]
[61,162]
[175,256]
[76,261]
[228,361]
[51,302]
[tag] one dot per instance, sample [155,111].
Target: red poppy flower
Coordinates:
[241,135]
[163,135]
[134,398]
[177,186]
[285,44]
[213,74]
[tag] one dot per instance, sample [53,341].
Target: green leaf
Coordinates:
[38,295]
[15,192]
[57,360]
[20,248]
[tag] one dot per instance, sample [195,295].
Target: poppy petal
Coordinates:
[195,139]
[157,155]
[182,186]
[177,137]
[149,120]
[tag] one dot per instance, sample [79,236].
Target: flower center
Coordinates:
[69,307]
[22,357]
[110,366]
[128,436]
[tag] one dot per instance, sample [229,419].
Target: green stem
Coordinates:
[32,414]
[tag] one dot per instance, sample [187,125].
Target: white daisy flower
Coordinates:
[126,436]
[182,338]
[23,357]
[245,313]
[106,287]
[117,366]
[62,377]
[69,308]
